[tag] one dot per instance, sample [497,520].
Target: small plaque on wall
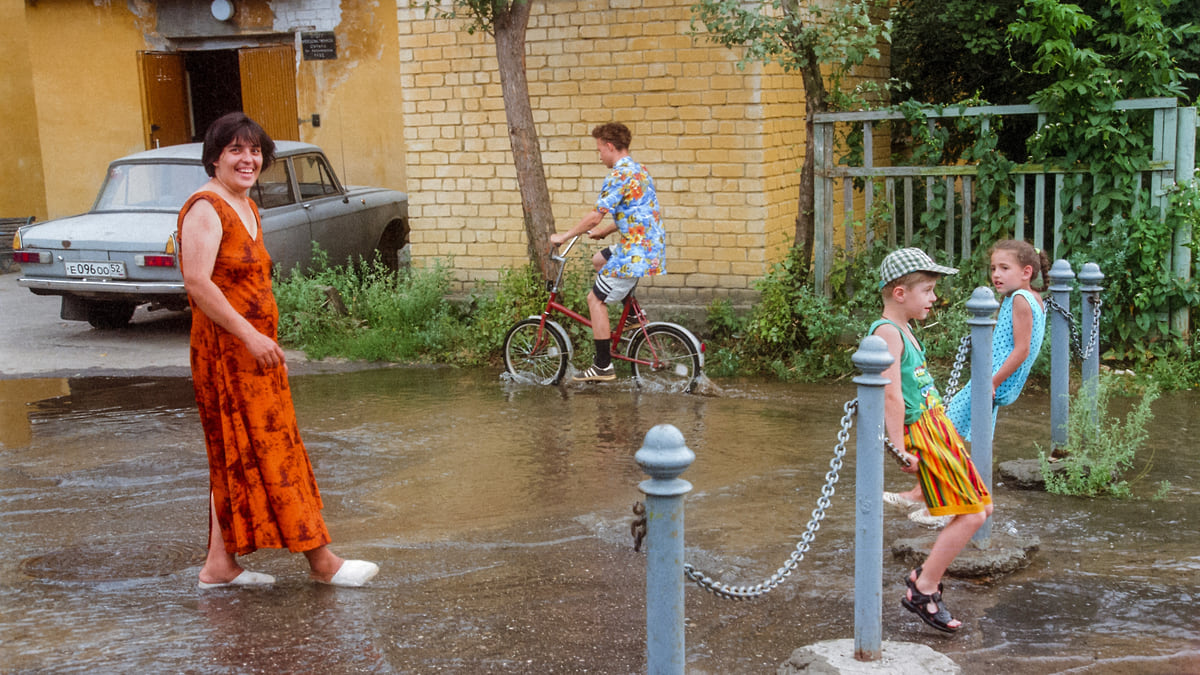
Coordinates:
[319,46]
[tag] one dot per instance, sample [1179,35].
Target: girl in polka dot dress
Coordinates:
[1020,327]
[1016,342]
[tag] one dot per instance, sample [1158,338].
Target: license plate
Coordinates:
[107,270]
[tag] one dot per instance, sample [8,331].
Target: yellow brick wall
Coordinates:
[724,145]
[698,125]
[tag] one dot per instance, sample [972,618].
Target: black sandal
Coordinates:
[911,583]
[919,605]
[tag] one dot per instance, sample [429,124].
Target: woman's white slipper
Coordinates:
[246,578]
[353,573]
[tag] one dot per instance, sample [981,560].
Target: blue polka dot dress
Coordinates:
[959,407]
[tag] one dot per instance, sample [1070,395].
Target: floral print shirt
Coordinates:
[628,193]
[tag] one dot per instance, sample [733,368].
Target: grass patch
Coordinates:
[388,316]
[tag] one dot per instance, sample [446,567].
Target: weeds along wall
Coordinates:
[724,146]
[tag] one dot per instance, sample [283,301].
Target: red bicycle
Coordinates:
[665,355]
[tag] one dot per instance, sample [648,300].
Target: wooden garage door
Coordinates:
[164,84]
[269,89]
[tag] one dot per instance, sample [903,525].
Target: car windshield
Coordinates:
[149,187]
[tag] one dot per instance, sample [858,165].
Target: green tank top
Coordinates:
[920,393]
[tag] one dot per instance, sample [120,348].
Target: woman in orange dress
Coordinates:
[263,492]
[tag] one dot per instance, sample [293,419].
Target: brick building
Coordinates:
[412,102]
[724,146]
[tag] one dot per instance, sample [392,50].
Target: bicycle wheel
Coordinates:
[670,357]
[530,359]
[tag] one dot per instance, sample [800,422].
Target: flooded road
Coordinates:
[500,517]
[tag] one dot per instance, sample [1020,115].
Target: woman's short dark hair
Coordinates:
[235,126]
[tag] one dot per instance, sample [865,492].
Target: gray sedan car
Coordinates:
[122,253]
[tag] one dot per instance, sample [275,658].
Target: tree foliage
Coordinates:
[947,50]
[1075,62]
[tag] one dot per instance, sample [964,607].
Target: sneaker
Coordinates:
[596,374]
[923,517]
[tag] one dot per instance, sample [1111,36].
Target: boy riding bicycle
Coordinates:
[628,193]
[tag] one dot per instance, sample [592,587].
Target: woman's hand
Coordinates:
[266,352]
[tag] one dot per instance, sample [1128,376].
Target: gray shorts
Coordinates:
[613,290]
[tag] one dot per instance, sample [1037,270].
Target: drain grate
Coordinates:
[114,562]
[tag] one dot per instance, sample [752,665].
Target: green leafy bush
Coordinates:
[493,309]
[1100,449]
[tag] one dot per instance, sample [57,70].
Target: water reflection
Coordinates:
[500,514]
[15,395]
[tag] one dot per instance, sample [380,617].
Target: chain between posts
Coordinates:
[850,408]
[964,345]
[831,478]
[1077,340]
[960,359]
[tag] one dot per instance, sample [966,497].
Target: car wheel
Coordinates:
[109,315]
[392,244]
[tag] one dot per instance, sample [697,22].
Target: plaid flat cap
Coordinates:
[906,260]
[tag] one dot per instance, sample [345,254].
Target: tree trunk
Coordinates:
[510,26]
[814,102]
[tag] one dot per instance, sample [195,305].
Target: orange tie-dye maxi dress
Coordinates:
[262,483]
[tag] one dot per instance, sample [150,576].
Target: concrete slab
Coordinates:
[1026,474]
[1022,474]
[834,657]
[1006,554]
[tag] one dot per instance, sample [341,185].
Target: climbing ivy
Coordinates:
[1115,223]
[966,139]
[1089,62]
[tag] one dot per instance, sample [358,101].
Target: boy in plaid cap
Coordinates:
[915,420]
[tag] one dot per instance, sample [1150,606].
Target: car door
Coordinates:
[332,218]
[286,231]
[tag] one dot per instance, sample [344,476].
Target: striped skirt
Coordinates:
[949,480]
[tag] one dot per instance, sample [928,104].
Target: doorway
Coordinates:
[214,87]
[184,92]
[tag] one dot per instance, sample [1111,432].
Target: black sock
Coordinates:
[603,355]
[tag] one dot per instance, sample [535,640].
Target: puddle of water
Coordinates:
[500,515]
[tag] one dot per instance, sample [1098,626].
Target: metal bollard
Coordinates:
[1061,276]
[1090,278]
[872,358]
[664,456]
[982,305]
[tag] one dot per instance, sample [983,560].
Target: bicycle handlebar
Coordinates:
[562,257]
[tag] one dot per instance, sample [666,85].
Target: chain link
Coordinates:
[638,527]
[960,359]
[1095,332]
[831,478]
[1077,347]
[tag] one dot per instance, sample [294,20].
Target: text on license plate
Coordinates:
[107,269]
